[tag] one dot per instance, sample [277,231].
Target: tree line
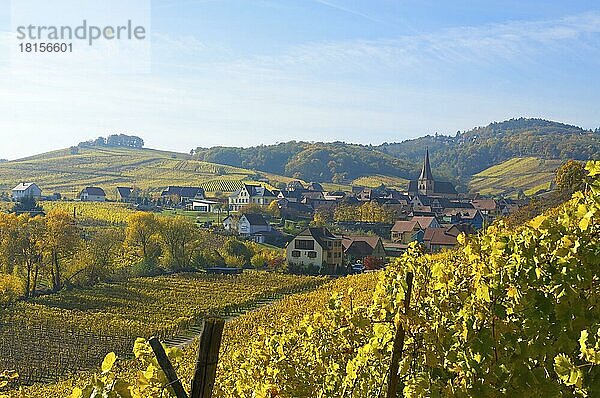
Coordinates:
[52,251]
[322,162]
[115,140]
[453,157]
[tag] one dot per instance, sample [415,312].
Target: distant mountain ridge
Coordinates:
[510,157]
[323,162]
[456,158]
[473,151]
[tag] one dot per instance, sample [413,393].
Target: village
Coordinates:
[327,232]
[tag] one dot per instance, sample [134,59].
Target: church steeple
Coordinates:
[426,171]
[425,181]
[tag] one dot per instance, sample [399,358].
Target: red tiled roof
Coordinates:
[441,236]
[406,226]
[370,240]
[485,204]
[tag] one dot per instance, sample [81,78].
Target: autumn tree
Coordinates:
[141,234]
[274,210]
[61,238]
[27,204]
[570,178]
[237,252]
[98,256]
[253,208]
[21,247]
[367,212]
[319,219]
[9,233]
[180,241]
[31,245]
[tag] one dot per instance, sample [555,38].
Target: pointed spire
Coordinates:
[426,171]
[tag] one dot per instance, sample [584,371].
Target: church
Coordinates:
[427,186]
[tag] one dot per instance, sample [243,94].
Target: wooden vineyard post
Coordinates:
[206,364]
[208,357]
[394,377]
[167,368]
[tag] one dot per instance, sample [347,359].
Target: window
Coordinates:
[312,254]
[304,244]
[295,253]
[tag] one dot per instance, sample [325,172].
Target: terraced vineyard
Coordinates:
[92,213]
[68,172]
[527,174]
[377,180]
[221,185]
[241,332]
[52,335]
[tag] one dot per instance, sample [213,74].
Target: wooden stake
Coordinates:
[208,357]
[394,377]
[167,368]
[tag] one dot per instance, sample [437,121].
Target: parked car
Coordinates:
[358,268]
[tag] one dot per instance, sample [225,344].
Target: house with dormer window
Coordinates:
[251,194]
[316,247]
[406,231]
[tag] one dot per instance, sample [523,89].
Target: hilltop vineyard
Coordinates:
[221,185]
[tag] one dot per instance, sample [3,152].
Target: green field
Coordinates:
[196,216]
[68,173]
[506,179]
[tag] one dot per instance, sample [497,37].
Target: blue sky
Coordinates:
[251,72]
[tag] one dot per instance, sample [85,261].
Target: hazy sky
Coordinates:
[251,72]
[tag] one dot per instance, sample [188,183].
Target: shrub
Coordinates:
[259,260]
[234,261]
[212,258]
[11,288]
[235,248]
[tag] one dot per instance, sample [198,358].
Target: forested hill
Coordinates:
[455,157]
[468,153]
[323,162]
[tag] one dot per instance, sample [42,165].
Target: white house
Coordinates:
[250,224]
[230,224]
[248,193]
[92,194]
[316,247]
[26,189]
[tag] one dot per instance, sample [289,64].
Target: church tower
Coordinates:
[425,182]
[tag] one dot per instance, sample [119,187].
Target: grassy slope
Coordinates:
[376,181]
[528,174]
[61,171]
